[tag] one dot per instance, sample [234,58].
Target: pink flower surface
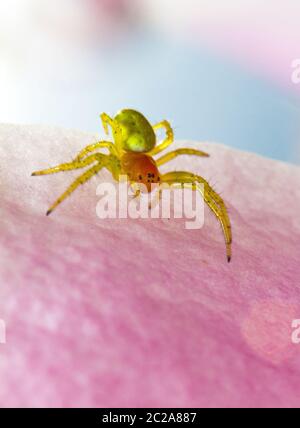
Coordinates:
[145,312]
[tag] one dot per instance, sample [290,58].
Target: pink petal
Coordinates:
[144,312]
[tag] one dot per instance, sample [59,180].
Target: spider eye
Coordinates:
[140,177]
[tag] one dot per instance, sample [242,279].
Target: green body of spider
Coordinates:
[137,135]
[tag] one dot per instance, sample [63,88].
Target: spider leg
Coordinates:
[157,197]
[76,164]
[136,190]
[107,120]
[98,145]
[83,178]
[167,141]
[184,151]
[213,200]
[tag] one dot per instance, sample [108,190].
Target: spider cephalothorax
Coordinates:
[132,154]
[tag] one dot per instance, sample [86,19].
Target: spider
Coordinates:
[131,154]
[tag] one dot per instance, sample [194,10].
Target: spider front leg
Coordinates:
[103,160]
[137,194]
[136,190]
[98,145]
[167,141]
[213,200]
[108,121]
[184,151]
[80,180]
[69,166]
[157,198]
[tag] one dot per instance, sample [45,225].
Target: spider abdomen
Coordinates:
[140,168]
[137,134]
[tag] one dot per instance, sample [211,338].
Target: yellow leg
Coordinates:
[167,141]
[98,145]
[76,164]
[185,151]
[213,200]
[156,199]
[136,190]
[106,120]
[83,178]
[117,133]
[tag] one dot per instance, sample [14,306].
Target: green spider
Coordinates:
[131,154]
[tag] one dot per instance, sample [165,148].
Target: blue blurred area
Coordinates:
[205,97]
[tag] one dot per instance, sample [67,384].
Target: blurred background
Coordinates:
[220,71]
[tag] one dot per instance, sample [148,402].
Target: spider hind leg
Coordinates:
[210,196]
